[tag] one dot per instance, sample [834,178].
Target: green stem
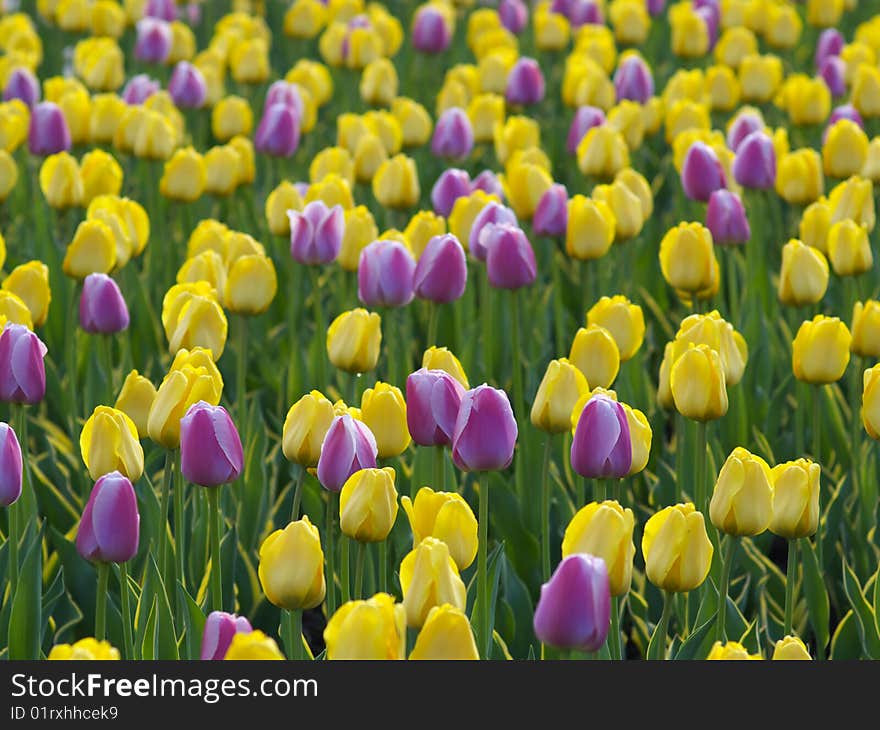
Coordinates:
[700,488]
[790,578]
[71,356]
[599,491]
[581,493]
[214,529]
[663,626]
[13,539]
[614,634]
[163,509]
[383,567]
[320,326]
[545,512]
[104,349]
[728,547]
[240,379]
[359,571]
[482,577]
[179,529]
[293,619]
[345,570]
[439,476]
[817,431]
[298,478]
[433,314]
[328,554]
[101,602]
[126,610]
[488,334]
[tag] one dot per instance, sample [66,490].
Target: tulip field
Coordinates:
[464,329]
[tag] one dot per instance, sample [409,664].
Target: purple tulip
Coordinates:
[755,162]
[102,309]
[23,85]
[187,86]
[833,73]
[154,40]
[450,186]
[601,447]
[441,272]
[139,88]
[655,7]
[711,16]
[585,118]
[220,627]
[830,43]
[453,135]
[633,80]
[488,182]
[164,9]
[385,274]
[551,214]
[48,132]
[284,92]
[10,465]
[510,259]
[583,12]
[348,446]
[22,372]
[430,32]
[514,15]
[278,132]
[726,218]
[574,609]
[316,233]
[210,447]
[701,172]
[525,82]
[742,127]
[845,111]
[433,400]
[485,430]
[492,212]
[110,526]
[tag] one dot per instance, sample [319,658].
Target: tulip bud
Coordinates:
[701,173]
[220,629]
[253,646]
[291,567]
[210,448]
[430,30]
[251,285]
[441,358]
[278,131]
[429,577]
[305,426]
[348,446]
[192,317]
[676,548]
[450,186]
[687,258]
[354,339]
[30,283]
[866,329]
[22,372]
[602,152]
[441,272]
[84,650]
[368,505]
[453,135]
[804,276]
[433,400]
[562,386]
[514,14]
[109,443]
[698,384]
[135,400]
[384,411]
[48,132]
[623,320]
[820,351]
[755,162]
[23,85]
[525,83]
[574,608]
[591,228]
[490,213]
[795,499]
[385,274]
[601,447]
[742,501]
[61,181]
[102,309]
[844,149]
[510,259]
[184,176]
[726,218]
[585,118]
[187,86]
[316,233]
[849,249]
[10,466]
[109,529]
[153,42]
[594,352]
[371,629]
[604,530]
[853,199]
[551,213]
[791,648]
[730,651]
[396,183]
[445,635]
[633,80]
[484,410]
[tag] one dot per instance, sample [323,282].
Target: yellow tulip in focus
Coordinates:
[804,276]
[849,249]
[428,578]
[795,498]
[135,400]
[719,335]
[291,567]
[371,629]
[14,310]
[820,351]
[866,329]
[626,207]
[61,181]
[101,175]
[594,352]
[92,250]
[591,228]
[871,402]
[442,358]
[253,646]
[354,339]
[30,283]
[676,548]
[184,176]
[799,177]
[791,648]
[623,319]
[109,442]
[446,517]
[383,409]
[251,285]
[192,317]
[445,635]
[396,183]
[730,651]
[742,502]
[687,258]
[562,386]
[697,384]
[604,529]
[305,426]
[368,505]
[85,650]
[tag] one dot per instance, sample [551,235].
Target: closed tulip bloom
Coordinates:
[623,320]
[187,86]
[433,398]
[730,651]
[210,448]
[8,174]
[430,31]
[866,90]
[30,282]
[562,386]
[10,466]
[595,353]
[231,116]
[804,276]
[491,213]
[745,123]
[701,173]
[48,132]
[445,635]
[726,218]
[109,443]
[866,329]
[820,351]
[251,285]
[602,152]
[140,88]
[832,71]
[755,162]
[184,176]
[444,516]
[698,384]
[441,272]
[485,431]
[604,530]
[291,569]
[590,229]
[791,648]
[383,409]
[368,505]
[742,501]
[844,111]
[849,249]
[633,80]
[396,183]
[283,198]
[514,14]
[354,339]
[371,629]
[220,629]
[830,43]
[795,499]
[853,199]
[22,84]
[253,646]
[676,548]
[575,606]
[61,181]
[799,178]
[348,446]
[305,426]
[449,187]
[814,225]
[316,233]
[278,131]
[510,259]
[109,529]
[601,447]
[153,42]
[525,82]
[687,258]
[385,274]
[84,650]
[422,228]
[453,135]
[379,82]
[135,400]
[429,577]
[717,334]
[585,118]
[844,149]
[551,213]
[22,372]
[102,308]
[871,402]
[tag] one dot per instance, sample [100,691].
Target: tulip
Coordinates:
[291,568]
[153,42]
[139,88]
[687,259]
[109,528]
[730,651]
[849,249]
[192,317]
[433,400]
[187,86]
[135,400]
[525,83]
[453,135]
[22,373]
[604,530]
[441,272]
[220,629]
[348,446]
[514,14]
[677,550]
[184,176]
[871,401]
[585,118]
[396,183]
[446,517]
[383,410]
[726,218]
[844,149]
[492,212]
[590,229]
[633,80]
[830,43]
[832,71]
[595,353]
[562,386]
[368,505]
[866,329]
[742,502]
[210,449]
[804,276]
[445,635]
[510,259]
[30,283]
[791,648]
[602,152]
[698,384]
[371,629]
[353,341]
[701,173]
[60,181]
[853,199]
[385,274]
[230,117]
[22,84]
[441,358]
[450,186]
[429,577]
[866,90]
[574,608]
[278,131]
[255,646]
[820,351]
[84,650]
[551,213]
[305,426]
[795,499]
[316,233]
[102,309]
[10,467]
[601,447]
[719,335]
[414,121]
[623,320]
[755,162]
[485,431]
[844,111]
[109,443]
[746,122]
[430,31]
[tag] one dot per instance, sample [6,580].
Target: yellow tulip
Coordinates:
[697,384]
[853,199]
[360,231]
[383,409]
[807,100]
[414,120]
[396,183]
[291,567]
[562,386]
[594,352]
[249,61]
[866,329]
[192,317]
[283,198]
[182,387]
[604,529]
[135,400]
[369,156]
[87,649]
[791,648]
[524,185]
[849,249]
[687,259]
[866,90]
[552,30]
[815,224]
[824,13]
[253,646]
[368,505]
[591,228]
[742,501]
[108,19]
[184,176]
[845,149]
[623,319]
[422,227]
[464,211]
[626,117]
[799,177]
[677,550]
[760,77]
[428,578]
[445,635]
[13,309]
[730,651]
[626,207]
[804,276]
[441,358]
[100,63]
[871,402]
[61,181]
[221,170]
[251,285]
[444,516]
[795,498]
[371,629]
[305,426]
[305,19]
[354,339]
[8,174]
[690,35]
[516,133]
[820,351]
[231,116]
[379,82]
[602,152]
[92,250]
[719,335]
[735,43]
[333,190]
[332,160]
[109,442]
[101,175]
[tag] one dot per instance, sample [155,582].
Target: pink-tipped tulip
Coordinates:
[48,132]
[491,213]
[433,399]
[139,88]
[441,272]
[278,132]
[485,430]
[220,628]
[601,447]
[510,259]
[10,466]
[348,446]
[574,609]
[22,371]
[316,233]
[283,92]
[726,218]
[585,118]
[110,526]
[701,172]
[154,39]
[742,127]
[450,186]
[525,82]
[102,309]
[514,15]
[551,214]
[187,86]
[755,162]
[453,135]
[385,274]
[210,447]
[430,32]
[633,80]
[22,85]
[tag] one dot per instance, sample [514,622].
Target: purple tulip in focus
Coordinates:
[441,271]
[601,447]
[48,132]
[23,85]
[510,259]
[22,371]
[187,86]
[10,466]
[348,446]
[278,132]
[453,135]
[220,627]
[433,399]
[755,162]
[551,213]
[525,82]
[701,172]
[514,15]
[726,218]
[154,40]
[316,233]
[102,309]
[574,609]
[110,526]
[430,32]
[385,274]
[139,88]
[485,430]
[210,447]
[450,186]
[585,118]
[633,80]
[492,212]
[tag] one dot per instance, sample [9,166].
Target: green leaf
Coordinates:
[148,643]
[25,622]
[864,613]
[846,643]
[493,572]
[195,623]
[699,642]
[657,645]
[815,594]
